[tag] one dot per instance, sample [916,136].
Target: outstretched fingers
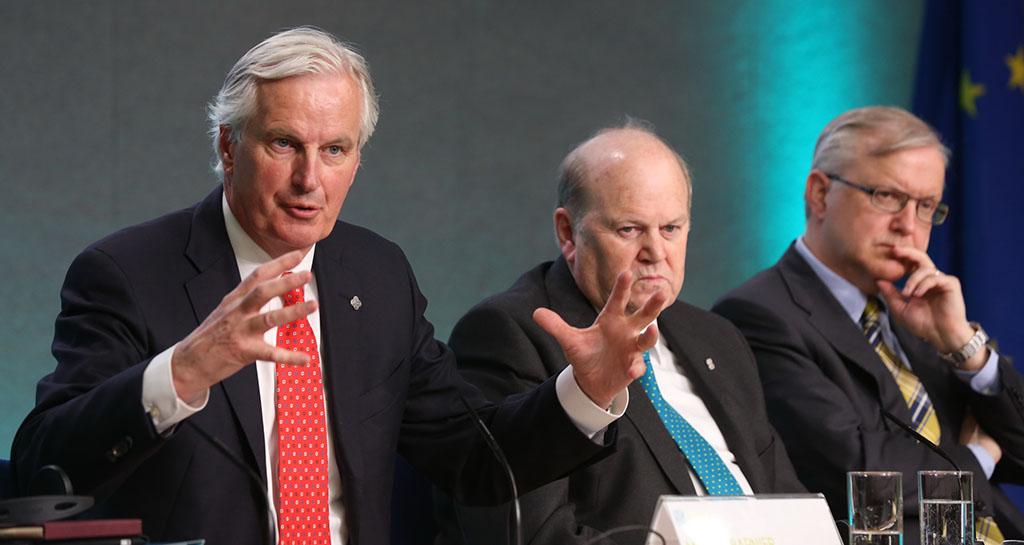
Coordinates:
[263,292]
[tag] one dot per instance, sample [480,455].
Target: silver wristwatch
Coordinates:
[971,348]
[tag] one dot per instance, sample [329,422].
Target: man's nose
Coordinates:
[653,247]
[305,170]
[905,221]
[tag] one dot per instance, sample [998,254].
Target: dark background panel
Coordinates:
[104,125]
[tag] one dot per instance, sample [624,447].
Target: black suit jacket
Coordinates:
[827,389]
[390,387]
[502,350]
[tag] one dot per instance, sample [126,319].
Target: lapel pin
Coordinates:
[355,302]
[710,363]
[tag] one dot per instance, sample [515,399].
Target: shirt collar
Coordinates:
[248,254]
[848,295]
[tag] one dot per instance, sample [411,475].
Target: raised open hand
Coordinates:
[231,337]
[607,356]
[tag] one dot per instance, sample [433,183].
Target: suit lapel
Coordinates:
[566,298]
[337,284]
[210,251]
[826,315]
[716,390]
[666,453]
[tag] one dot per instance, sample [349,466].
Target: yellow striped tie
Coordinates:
[922,414]
[986,531]
[921,411]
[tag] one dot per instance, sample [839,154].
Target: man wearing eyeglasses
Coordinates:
[855,327]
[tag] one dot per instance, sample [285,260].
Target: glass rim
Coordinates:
[943,472]
[874,473]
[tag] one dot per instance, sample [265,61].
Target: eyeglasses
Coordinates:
[890,200]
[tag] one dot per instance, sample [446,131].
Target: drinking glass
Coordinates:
[874,501]
[947,507]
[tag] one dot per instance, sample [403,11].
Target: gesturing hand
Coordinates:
[931,303]
[231,337]
[607,356]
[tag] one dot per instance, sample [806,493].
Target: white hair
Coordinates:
[293,52]
[872,131]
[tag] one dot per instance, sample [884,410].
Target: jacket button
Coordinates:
[120,449]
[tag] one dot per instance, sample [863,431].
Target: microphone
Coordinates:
[516,528]
[50,481]
[924,440]
[51,499]
[920,438]
[270,532]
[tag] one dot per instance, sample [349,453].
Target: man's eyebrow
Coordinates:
[343,141]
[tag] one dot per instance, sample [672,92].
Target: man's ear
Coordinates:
[226,149]
[814,194]
[565,234]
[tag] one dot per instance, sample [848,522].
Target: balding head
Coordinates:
[609,148]
[624,205]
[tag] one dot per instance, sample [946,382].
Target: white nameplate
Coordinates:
[765,519]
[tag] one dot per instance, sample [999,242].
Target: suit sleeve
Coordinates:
[438,436]
[1002,416]
[829,425]
[502,358]
[89,418]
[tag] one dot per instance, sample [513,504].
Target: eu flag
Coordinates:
[970,87]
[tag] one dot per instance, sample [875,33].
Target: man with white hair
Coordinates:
[296,340]
[844,351]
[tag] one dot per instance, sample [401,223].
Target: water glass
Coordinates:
[874,501]
[947,507]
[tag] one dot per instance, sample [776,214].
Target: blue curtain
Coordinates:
[970,87]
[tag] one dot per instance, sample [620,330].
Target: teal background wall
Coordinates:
[103,125]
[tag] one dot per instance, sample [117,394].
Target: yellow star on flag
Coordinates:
[969,93]
[1016,64]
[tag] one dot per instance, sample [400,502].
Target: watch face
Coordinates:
[971,348]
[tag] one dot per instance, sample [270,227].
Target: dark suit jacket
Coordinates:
[390,387]
[501,350]
[826,390]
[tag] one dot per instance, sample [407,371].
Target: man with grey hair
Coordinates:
[844,352]
[624,205]
[297,341]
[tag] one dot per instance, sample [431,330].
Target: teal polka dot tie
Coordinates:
[702,457]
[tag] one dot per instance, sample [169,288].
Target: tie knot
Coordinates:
[871,310]
[294,296]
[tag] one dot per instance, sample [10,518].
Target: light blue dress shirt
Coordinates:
[984,381]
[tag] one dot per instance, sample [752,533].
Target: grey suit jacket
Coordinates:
[827,390]
[502,351]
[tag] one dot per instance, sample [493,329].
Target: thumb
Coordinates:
[648,338]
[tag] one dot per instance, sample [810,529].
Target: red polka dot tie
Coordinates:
[301,438]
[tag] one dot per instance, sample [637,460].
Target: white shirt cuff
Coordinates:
[590,419]
[159,398]
[984,381]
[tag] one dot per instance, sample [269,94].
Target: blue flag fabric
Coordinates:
[970,87]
